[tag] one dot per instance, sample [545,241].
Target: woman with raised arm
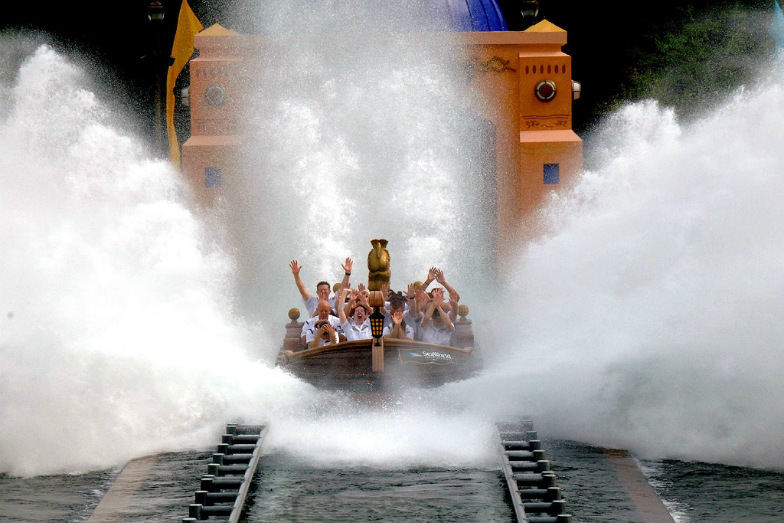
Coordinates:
[436,327]
[357,325]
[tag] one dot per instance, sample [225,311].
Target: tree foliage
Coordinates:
[700,58]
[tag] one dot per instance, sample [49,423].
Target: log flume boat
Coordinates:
[381,363]
[349,365]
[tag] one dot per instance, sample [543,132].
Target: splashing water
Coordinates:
[120,336]
[114,302]
[648,318]
[355,136]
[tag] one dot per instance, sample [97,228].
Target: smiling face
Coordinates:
[322,290]
[359,314]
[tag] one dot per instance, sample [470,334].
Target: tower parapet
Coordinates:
[525,87]
[209,156]
[523,93]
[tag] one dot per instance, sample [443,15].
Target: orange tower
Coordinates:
[209,156]
[523,104]
[525,93]
[550,152]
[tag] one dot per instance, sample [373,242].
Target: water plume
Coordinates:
[648,318]
[355,133]
[114,298]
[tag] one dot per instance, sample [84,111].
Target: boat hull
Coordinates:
[349,365]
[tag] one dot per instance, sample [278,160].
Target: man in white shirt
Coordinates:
[322,329]
[323,288]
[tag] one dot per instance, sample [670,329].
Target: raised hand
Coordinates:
[295,267]
[348,265]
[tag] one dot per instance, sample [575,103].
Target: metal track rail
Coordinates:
[225,487]
[532,485]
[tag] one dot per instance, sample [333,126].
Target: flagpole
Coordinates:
[161,61]
[188,25]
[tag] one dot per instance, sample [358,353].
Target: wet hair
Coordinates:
[354,309]
[319,284]
[397,300]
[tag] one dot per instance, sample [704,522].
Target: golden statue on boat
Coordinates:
[379,270]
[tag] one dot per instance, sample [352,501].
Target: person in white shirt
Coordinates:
[322,329]
[436,326]
[399,324]
[323,288]
[356,326]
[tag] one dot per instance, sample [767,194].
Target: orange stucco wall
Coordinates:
[530,133]
[504,69]
[215,92]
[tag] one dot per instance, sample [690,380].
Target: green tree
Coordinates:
[701,58]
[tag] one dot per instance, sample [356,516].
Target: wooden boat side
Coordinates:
[389,344]
[348,365]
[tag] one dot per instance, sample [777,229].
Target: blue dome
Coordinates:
[476,15]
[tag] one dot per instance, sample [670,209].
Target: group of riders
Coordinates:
[342,313]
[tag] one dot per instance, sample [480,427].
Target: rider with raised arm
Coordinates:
[322,288]
[450,306]
[356,326]
[436,326]
[399,325]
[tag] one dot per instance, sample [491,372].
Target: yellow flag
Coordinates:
[182,50]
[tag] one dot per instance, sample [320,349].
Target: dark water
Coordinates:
[288,490]
[169,488]
[52,498]
[289,493]
[717,493]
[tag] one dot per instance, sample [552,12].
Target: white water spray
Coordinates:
[117,337]
[648,320]
[358,131]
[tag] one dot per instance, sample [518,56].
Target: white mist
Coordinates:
[648,319]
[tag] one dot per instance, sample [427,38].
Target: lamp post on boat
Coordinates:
[376,301]
[529,9]
[161,60]
[521,14]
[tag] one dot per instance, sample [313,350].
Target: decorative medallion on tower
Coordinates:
[545,90]
[215,95]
